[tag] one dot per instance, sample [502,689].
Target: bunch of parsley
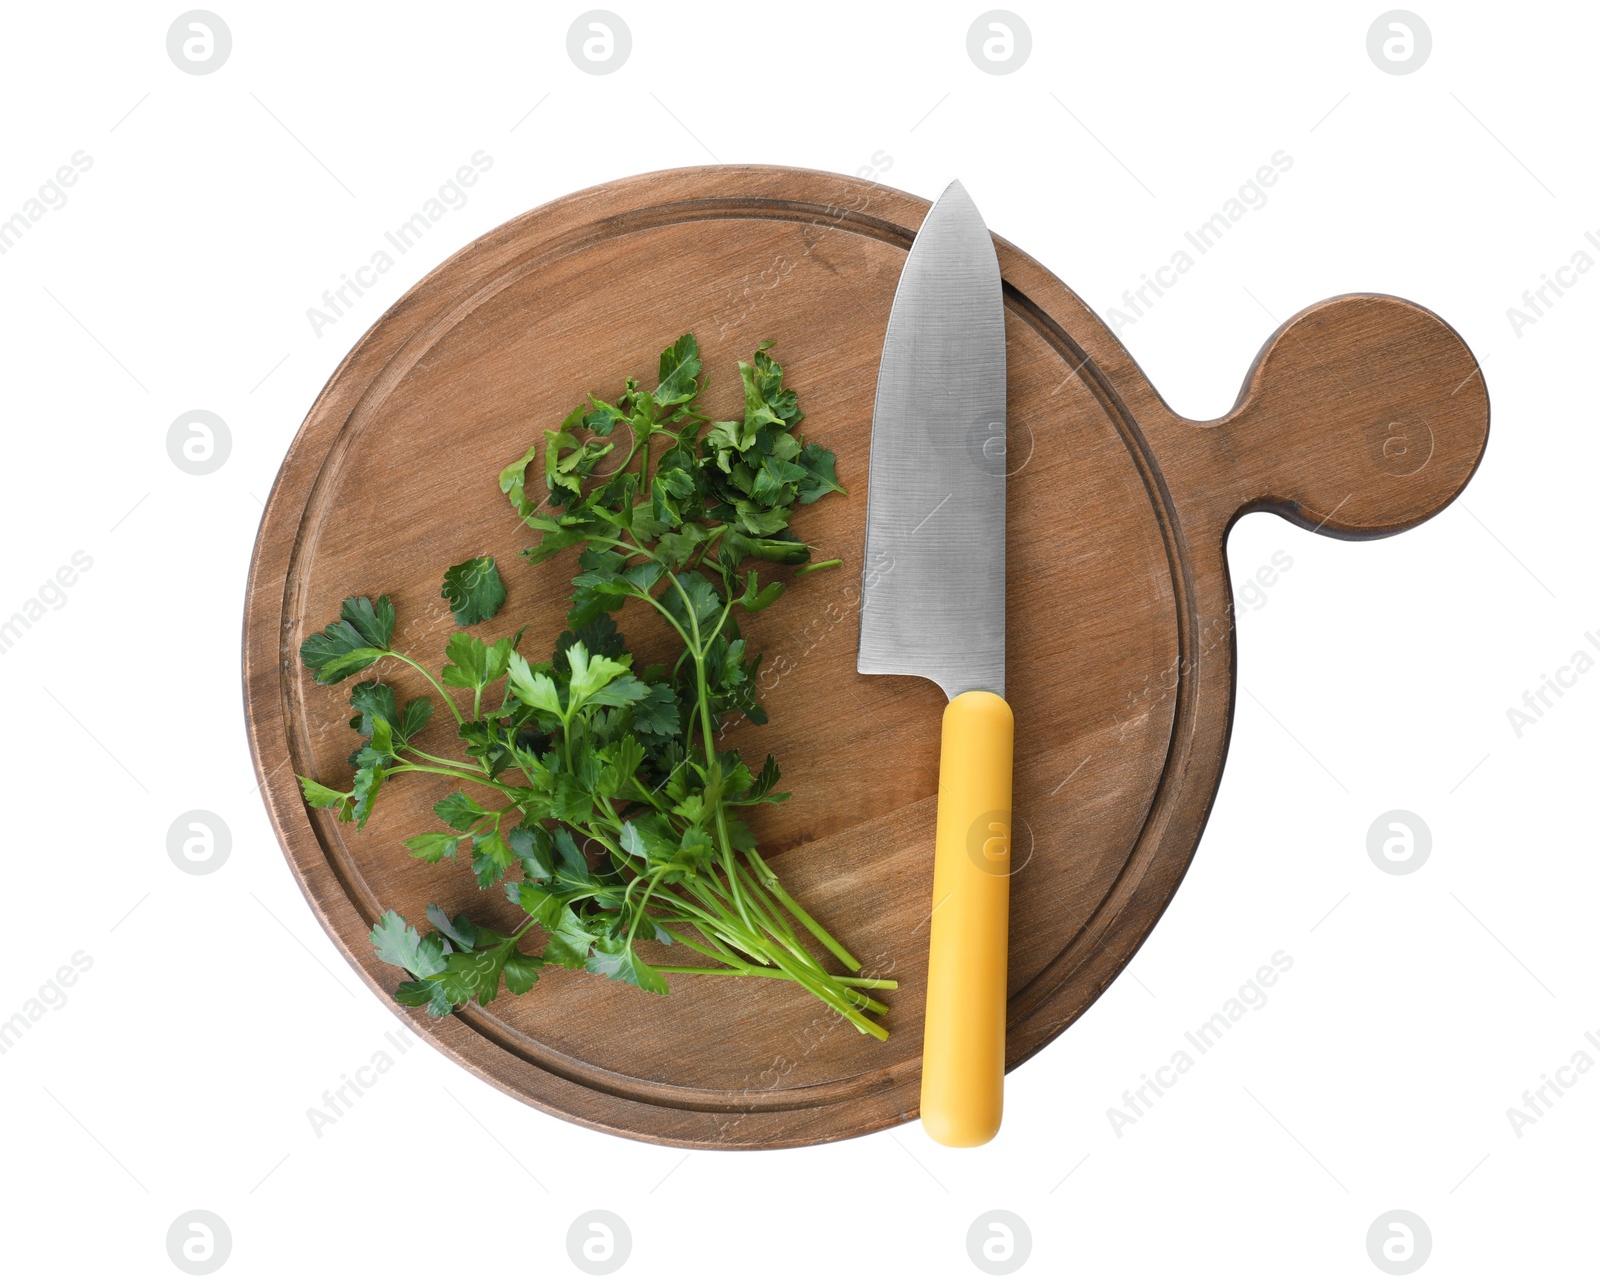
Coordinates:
[591,787]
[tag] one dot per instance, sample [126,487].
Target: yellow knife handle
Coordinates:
[964,1041]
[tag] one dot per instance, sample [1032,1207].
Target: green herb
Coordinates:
[591,787]
[475,590]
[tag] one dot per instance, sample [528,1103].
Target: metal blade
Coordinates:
[934,573]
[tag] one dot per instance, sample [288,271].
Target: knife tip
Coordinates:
[956,200]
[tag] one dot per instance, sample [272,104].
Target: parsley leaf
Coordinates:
[534,687]
[475,976]
[617,959]
[491,857]
[680,371]
[431,846]
[374,622]
[474,589]
[400,944]
[352,643]
[473,663]
[460,811]
[599,636]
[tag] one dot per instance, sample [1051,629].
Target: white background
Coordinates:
[1376,676]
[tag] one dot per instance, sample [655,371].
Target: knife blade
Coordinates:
[933,605]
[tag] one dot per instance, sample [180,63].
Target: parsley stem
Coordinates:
[428,675]
[732,962]
[727,608]
[405,766]
[650,796]
[765,973]
[708,738]
[805,964]
[770,914]
[633,924]
[710,874]
[804,969]
[731,929]
[620,855]
[770,879]
[671,620]
[439,759]
[711,539]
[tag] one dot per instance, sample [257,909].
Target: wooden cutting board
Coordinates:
[1362,416]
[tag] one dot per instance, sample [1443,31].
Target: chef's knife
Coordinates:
[934,605]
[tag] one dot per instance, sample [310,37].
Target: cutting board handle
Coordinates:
[1361,416]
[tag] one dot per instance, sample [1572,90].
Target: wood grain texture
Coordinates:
[1361,416]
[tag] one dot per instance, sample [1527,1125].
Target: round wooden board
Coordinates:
[1121,691]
